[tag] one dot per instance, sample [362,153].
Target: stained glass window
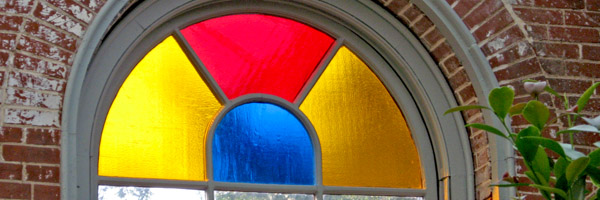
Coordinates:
[265,107]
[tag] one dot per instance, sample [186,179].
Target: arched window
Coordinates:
[229,99]
[266,100]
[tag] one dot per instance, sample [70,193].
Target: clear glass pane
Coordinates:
[228,195]
[157,123]
[361,197]
[254,53]
[262,143]
[106,192]
[364,137]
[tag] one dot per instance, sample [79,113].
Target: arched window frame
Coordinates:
[385,47]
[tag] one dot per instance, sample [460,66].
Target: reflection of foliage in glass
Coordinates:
[226,195]
[139,193]
[148,193]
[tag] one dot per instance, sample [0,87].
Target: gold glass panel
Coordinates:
[364,138]
[157,123]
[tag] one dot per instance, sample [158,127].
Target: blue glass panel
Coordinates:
[262,143]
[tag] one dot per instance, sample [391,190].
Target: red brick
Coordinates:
[583,69]
[32,117]
[569,86]
[578,18]
[11,134]
[582,138]
[15,6]
[422,25]
[482,12]
[44,50]
[31,154]
[503,40]
[43,136]
[43,174]
[8,41]
[50,35]
[40,66]
[541,16]
[493,26]
[483,174]
[575,4]
[48,14]
[464,6]
[450,2]
[4,59]
[451,64]
[73,9]
[574,34]
[433,37]
[556,50]
[27,80]
[537,32]
[479,141]
[533,196]
[467,93]
[15,191]
[593,5]
[458,79]
[523,68]
[412,13]
[553,67]
[441,51]
[521,50]
[95,5]
[45,192]
[481,158]
[590,52]
[33,98]
[10,23]
[396,5]
[11,171]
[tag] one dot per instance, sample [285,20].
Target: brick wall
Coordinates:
[550,40]
[553,40]
[38,41]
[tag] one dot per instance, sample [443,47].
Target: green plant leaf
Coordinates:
[487,128]
[462,108]
[560,167]
[576,168]
[527,149]
[551,91]
[594,174]
[585,97]
[536,113]
[516,109]
[557,191]
[570,152]
[578,189]
[561,183]
[579,128]
[530,175]
[547,143]
[541,165]
[595,158]
[500,100]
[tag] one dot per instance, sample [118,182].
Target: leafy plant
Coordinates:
[559,179]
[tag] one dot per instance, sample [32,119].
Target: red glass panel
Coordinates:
[253,53]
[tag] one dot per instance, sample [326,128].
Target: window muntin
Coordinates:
[376,89]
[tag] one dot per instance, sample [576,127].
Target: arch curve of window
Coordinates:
[398,62]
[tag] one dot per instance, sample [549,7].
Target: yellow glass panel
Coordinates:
[364,138]
[157,123]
